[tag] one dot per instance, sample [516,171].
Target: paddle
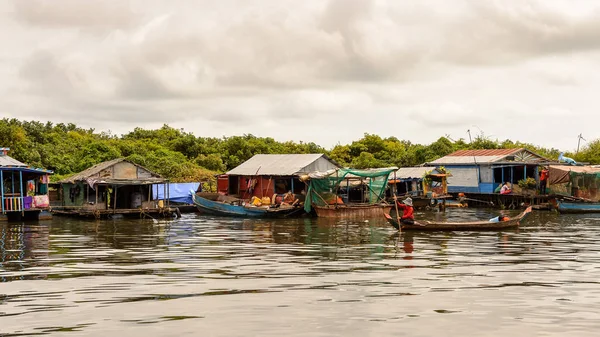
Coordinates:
[397,213]
[396,203]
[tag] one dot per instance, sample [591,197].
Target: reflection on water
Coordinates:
[299,277]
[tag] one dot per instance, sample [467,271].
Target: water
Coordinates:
[299,277]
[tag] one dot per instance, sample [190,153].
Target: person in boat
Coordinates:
[407,210]
[505,188]
[500,218]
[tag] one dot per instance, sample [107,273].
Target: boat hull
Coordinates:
[577,207]
[460,226]
[212,207]
[352,211]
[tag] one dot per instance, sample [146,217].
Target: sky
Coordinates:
[323,71]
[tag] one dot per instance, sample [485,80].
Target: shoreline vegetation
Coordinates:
[183,157]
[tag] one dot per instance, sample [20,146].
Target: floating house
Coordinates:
[264,175]
[24,189]
[482,171]
[423,184]
[117,186]
[576,181]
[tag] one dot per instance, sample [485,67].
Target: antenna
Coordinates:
[579,138]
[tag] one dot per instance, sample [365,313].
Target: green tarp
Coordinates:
[324,186]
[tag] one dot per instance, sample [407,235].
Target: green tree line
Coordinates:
[182,156]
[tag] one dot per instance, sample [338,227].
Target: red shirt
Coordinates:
[407,211]
[544,175]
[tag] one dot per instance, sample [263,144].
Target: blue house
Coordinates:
[23,189]
[482,171]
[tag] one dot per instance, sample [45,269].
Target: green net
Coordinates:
[326,188]
[584,185]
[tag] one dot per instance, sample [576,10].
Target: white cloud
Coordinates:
[312,71]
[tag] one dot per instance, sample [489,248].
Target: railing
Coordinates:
[12,204]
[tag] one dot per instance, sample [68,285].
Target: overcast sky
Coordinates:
[321,71]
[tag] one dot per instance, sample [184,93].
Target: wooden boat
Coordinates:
[363,211]
[456,226]
[237,208]
[577,207]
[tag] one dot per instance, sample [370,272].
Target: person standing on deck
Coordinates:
[407,210]
[544,173]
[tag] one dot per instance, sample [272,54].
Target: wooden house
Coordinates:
[266,174]
[117,186]
[24,189]
[482,171]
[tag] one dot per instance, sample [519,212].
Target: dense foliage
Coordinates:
[181,156]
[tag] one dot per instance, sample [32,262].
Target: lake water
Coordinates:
[208,276]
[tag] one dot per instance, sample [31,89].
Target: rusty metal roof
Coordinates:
[489,156]
[485,153]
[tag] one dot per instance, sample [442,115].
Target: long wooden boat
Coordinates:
[456,226]
[577,207]
[237,208]
[352,211]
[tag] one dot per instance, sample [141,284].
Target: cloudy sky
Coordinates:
[321,71]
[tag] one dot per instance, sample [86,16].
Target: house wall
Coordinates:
[125,170]
[486,174]
[463,179]
[78,199]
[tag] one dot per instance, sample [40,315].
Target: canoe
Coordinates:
[456,226]
[352,211]
[577,207]
[237,208]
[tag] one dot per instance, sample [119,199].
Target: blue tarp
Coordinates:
[178,192]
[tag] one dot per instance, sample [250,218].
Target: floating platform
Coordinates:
[165,212]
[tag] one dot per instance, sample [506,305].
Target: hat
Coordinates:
[408,201]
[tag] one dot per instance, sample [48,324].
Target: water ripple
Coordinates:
[299,277]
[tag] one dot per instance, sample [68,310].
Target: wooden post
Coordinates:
[87,192]
[115,203]
[362,190]
[337,179]
[96,202]
[20,203]
[149,193]
[164,194]
[2,188]
[168,194]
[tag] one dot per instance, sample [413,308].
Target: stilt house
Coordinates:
[268,174]
[117,186]
[24,189]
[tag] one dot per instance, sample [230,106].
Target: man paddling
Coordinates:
[407,210]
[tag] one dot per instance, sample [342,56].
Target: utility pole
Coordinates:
[469,132]
[579,138]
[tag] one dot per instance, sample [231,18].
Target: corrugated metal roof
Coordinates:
[411,172]
[484,153]
[9,161]
[276,164]
[96,169]
[466,160]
